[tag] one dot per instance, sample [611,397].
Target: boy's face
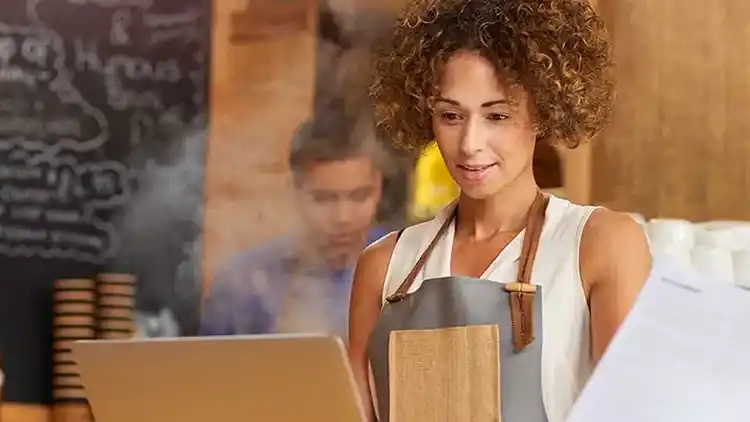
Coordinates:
[338,201]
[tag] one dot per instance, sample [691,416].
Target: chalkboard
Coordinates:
[103,107]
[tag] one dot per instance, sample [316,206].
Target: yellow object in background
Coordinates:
[434,187]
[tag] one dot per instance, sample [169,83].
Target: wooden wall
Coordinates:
[679,145]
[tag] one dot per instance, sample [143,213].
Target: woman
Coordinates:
[489,80]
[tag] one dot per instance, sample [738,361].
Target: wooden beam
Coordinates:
[266,19]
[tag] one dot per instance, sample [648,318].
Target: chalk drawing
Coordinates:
[42,55]
[65,194]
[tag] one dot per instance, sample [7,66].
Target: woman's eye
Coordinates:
[450,117]
[497,116]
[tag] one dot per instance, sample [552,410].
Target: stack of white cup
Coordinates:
[719,250]
[671,239]
[727,243]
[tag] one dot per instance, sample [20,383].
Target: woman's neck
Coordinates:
[506,211]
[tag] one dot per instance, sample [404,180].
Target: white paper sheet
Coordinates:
[682,355]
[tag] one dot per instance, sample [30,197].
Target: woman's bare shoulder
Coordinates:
[373,262]
[614,231]
[614,249]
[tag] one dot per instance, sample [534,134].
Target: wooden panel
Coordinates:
[678,144]
[261,90]
[270,19]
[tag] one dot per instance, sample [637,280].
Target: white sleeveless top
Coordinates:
[566,359]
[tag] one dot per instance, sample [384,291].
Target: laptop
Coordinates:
[270,378]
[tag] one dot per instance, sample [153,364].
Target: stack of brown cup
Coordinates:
[116,302]
[74,319]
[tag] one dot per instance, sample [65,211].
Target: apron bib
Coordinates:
[461,348]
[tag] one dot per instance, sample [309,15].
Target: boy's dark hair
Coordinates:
[332,135]
[329,29]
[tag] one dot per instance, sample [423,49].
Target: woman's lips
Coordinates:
[475,172]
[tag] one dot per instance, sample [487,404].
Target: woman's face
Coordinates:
[486,137]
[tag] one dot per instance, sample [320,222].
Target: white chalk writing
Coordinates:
[93,241]
[42,110]
[48,208]
[120,98]
[156,20]
[182,34]
[130,67]
[114,3]
[183,27]
[39,127]
[121,21]
[33,51]
[120,68]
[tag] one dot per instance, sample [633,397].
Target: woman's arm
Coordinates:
[615,262]
[364,309]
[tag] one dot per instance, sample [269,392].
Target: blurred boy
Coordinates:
[302,283]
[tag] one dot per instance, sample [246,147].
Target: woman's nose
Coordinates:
[473,138]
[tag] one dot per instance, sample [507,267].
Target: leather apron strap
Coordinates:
[521,291]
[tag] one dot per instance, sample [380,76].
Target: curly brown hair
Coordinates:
[556,50]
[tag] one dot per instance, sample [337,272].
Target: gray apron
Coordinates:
[461,348]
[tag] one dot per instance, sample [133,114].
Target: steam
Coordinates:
[161,227]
